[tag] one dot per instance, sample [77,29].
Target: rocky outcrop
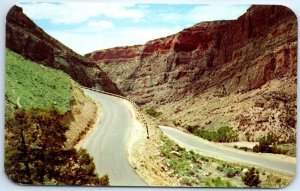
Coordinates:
[24,37]
[217,59]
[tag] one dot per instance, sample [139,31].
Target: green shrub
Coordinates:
[208,135]
[278,150]
[153,112]
[231,172]
[223,134]
[269,144]
[220,168]
[286,149]
[217,182]
[251,178]
[226,134]
[266,144]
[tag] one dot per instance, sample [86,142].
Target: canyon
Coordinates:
[240,72]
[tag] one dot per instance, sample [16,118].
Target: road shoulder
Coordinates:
[145,154]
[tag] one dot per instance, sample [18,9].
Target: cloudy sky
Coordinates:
[86,27]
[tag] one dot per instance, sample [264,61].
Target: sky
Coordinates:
[90,26]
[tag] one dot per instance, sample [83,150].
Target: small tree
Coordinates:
[265,144]
[35,152]
[226,134]
[32,139]
[251,178]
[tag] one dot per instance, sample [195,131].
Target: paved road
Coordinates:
[212,149]
[107,144]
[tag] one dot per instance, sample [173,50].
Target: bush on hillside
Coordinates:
[153,112]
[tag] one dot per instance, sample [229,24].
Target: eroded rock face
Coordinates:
[216,59]
[24,37]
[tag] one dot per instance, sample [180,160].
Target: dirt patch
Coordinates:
[81,118]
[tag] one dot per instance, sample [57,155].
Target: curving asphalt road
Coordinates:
[107,143]
[192,142]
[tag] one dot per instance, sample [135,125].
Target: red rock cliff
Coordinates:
[218,59]
[241,55]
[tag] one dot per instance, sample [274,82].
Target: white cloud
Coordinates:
[93,27]
[206,13]
[213,12]
[77,12]
[172,17]
[100,24]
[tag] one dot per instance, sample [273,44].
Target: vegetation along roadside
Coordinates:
[36,99]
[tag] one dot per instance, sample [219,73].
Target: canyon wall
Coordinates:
[24,37]
[239,72]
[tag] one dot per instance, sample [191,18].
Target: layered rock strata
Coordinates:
[239,72]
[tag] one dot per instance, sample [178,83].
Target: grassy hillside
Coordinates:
[36,101]
[29,85]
